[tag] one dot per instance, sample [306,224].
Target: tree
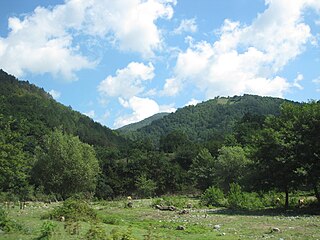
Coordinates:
[15,164]
[275,155]
[66,166]
[307,131]
[231,166]
[202,169]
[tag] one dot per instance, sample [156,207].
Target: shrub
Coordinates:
[177,201]
[235,197]
[47,230]
[7,224]
[75,210]
[213,196]
[96,232]
[117,234]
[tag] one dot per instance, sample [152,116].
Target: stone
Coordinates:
[181,228]
[217,227]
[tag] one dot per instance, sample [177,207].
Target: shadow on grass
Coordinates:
[291,212]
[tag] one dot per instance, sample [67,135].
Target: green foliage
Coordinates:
[117,234]
[236,198]
[177,201]
[15,163]
[73,210]
[145,187]
[96,232]
[209,119]
[231,166]
[212,196]
[240,200]
[202,169]
[66,166]
[47,230]
[7,224]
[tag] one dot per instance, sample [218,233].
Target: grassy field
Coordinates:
[145,222]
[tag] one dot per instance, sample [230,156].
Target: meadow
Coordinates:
[115,220]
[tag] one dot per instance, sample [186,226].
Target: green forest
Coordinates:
[247,144]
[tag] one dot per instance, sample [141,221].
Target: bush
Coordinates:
[47,230]
[177,201]
[7,224]
[96,232]
[117,234]
[75,210]
[237,199]
[213,196]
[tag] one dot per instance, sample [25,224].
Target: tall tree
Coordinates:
[231,166]
[66,165]
[15,163]
[202,169]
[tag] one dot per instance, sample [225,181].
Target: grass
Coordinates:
[145,222]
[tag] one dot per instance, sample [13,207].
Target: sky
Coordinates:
[120,61]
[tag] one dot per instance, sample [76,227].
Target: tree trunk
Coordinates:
[286,206]
[316,191]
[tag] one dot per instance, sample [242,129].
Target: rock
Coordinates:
[130,204]
[62,219]
[181,228]
[275,229]
[217,227]
[184,211]
[166,208]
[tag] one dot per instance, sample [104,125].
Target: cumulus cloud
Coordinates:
[186,25]
[192,102]
[40,42]
[55,94]
[141,109]
[128,81]
[317,83]
[131,23]
[171,87]
[247,59]
[297,80]
[44,40]
[90,114]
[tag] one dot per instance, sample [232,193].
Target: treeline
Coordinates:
[256,151]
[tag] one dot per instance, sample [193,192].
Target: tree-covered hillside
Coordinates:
[41,113]
[135,126]
[209,120]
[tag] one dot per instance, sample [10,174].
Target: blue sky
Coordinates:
[122,61]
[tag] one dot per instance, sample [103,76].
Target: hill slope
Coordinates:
[41,113]
[135,126]
[210,119]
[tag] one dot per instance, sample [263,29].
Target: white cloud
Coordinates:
[128,81]
[131,22]
[171,87]
[247,59]
[55,94]
[90,114]
[296,81]
[44,40]
[40,43]
[141,108]
[317,83]
[186,25]
[192,102]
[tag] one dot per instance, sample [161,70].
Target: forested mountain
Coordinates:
[135,126]
[258,143]
[40,113]
[209,120]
